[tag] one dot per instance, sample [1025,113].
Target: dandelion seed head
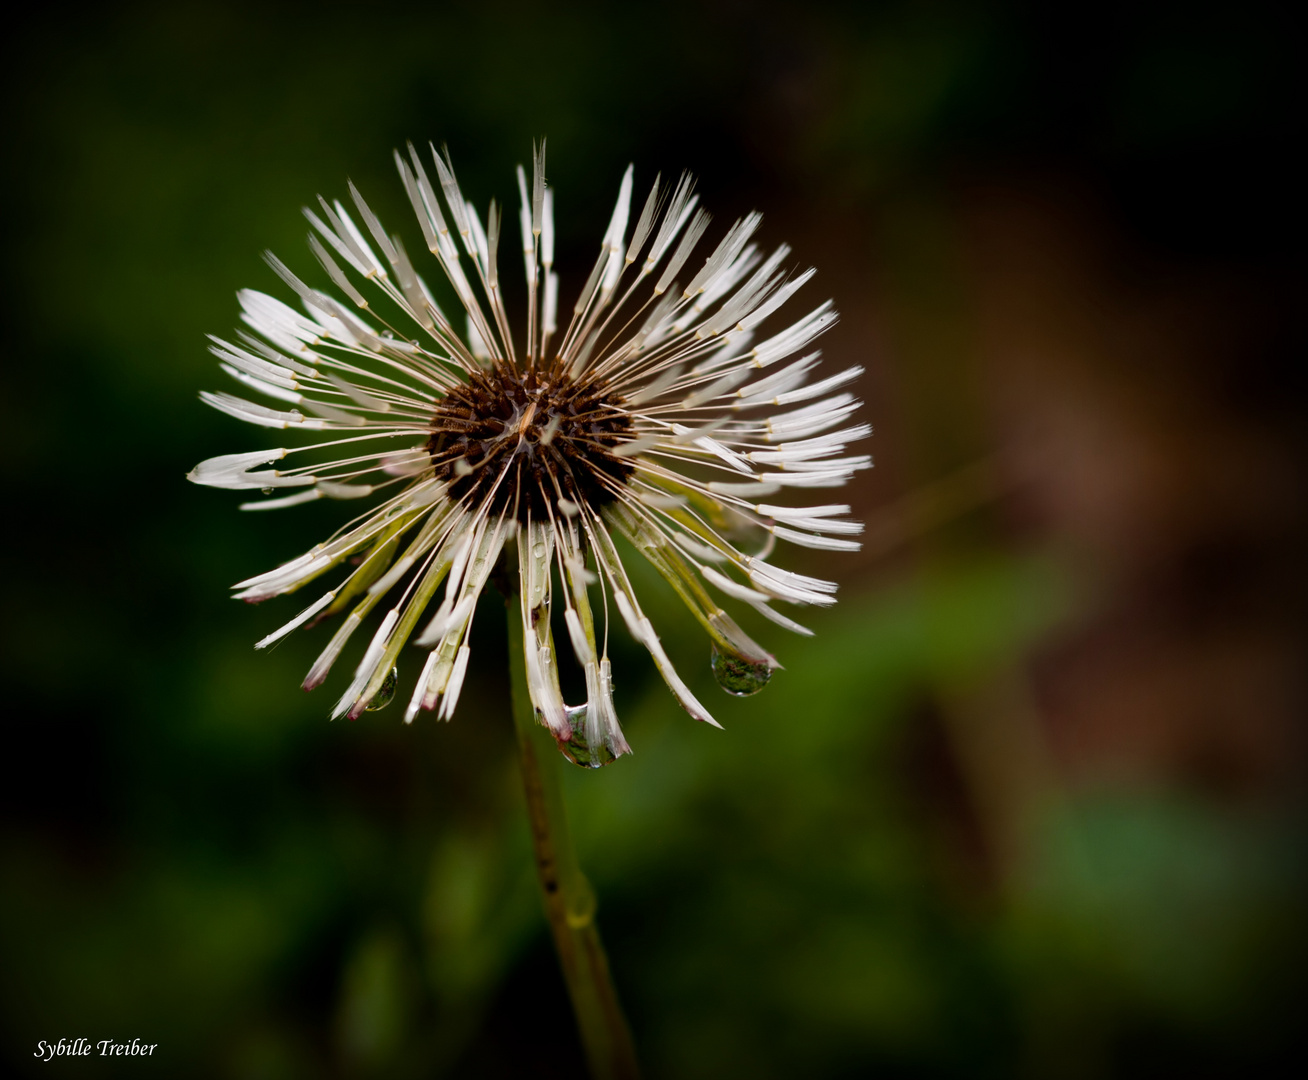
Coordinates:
[652,412]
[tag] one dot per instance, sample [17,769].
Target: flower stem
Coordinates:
[567,895]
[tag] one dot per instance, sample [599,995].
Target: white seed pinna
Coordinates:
[658,416]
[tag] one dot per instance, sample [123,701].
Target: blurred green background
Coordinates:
[1029,804]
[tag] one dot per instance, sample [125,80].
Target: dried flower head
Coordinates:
[657,416]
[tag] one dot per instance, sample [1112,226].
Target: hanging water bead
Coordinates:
[738,675]
[386,694]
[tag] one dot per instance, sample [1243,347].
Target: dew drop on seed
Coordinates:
[577,749]
[538,551]
[384,695]
[739,675]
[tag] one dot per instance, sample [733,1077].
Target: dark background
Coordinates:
[1029,804]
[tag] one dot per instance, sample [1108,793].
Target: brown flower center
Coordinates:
[520,441]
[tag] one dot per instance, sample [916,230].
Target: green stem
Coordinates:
[567,895]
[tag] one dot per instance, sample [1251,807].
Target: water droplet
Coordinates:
[384,695]
[581,904]
[538,551]
[739,675]
[577,749]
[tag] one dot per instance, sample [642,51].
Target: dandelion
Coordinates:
[663,415]
[660,415]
